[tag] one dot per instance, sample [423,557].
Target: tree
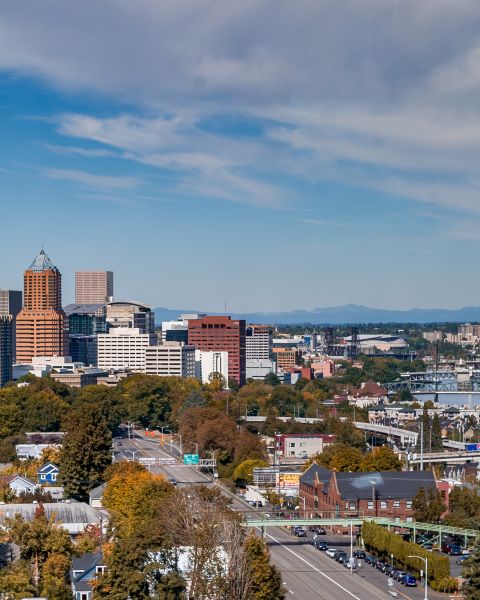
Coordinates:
[471,573]
[243,474]
[425,421]
[271,379]
[381,459]
[339,457]
[266,579]
[464,508]
[428,505]
[86,452]
[11,419]
[436,435]
[16,581]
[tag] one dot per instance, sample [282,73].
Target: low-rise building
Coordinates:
[170,359]
[301,445]
[85,569]
[286,357]
[378,494]
[18,484]
[48,473]
[259,369]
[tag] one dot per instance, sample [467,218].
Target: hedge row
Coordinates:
[384,543]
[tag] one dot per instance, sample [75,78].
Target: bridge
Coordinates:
[413,526]
[428,382]
[406,437]
[444,457]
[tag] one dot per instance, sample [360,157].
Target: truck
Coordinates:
[472,447]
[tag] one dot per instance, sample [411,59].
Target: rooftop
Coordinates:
[41,262]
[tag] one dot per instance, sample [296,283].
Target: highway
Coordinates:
[306,572]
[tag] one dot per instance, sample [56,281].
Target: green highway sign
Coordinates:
[191,459]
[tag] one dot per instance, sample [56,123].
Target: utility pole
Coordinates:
[421,445]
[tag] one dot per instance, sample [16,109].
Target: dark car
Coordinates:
[360,554]
[379,565]
[455,550]
[172,480]
[341,556]
[320,531]
[399,575]
[461,559]
[409,581]
[370,560]
[320,545]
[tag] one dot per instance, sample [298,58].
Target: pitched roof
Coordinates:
[97,492]
[388,484]
[86,562]
[316,473]
[41,262]
[46,466]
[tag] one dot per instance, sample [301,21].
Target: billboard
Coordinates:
[288,480]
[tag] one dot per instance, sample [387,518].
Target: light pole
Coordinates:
[425,560]
[132,452]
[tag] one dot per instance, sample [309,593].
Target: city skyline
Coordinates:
[324,157]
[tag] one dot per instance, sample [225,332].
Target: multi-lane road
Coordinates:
[307,573]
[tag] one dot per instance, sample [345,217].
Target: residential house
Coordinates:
[96,496]
[48,473]
[83,572]
[384,494]
[18,484]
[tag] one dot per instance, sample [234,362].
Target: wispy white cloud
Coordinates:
[324,222]
[90,179]
[78,151]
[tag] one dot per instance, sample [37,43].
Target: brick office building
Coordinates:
[41,324]
[221,334]
[384,494]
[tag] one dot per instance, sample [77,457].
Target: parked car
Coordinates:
[455,550]
[409,581]
[399,575]
[341,556]
[359,554]
[461,559]
[319,545]
[330,552]
[172,480]
[370,560]
[320,530]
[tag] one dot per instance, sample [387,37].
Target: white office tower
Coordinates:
[258,342]
[209,362]
[170,359]
[123,348]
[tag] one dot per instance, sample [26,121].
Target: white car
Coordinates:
[330,552]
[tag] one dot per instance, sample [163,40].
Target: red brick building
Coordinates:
[41,325]
[384,494]
[221,334]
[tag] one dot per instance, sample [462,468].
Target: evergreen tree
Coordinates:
[271,379]
[427,431]
[471,572]
[428,506]
[86,452]
[266,579]
[436,435]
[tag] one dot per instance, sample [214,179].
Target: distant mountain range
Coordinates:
[349,313]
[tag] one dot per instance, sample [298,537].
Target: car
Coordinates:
[370,560]
[461,559]
[300,531]
[408,581]
[349,563]
[359,554]
[341,556]
[320,545]
[330,552]
[320,531]
[379,565]
[389,570]
[399,575]
[455,550]
[172,480]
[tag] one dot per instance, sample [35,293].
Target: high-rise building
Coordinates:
[11,305]
[221,334]
[6,349]
[86,319]
[123,348]
[93,287]
[41,324]
[130,314]
[258,342]
[170,359]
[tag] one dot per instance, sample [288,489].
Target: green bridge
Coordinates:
[413,526]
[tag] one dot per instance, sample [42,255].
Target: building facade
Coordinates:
[170,359]
[286,358]
[123,348]
[86,319]
[6,349]
[41,325]
[130,314]
[221,334]
[258,342]
[93,287]
[301,445]
[11,305]
[328,494]
[210,364]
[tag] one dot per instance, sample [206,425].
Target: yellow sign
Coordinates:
[288,480]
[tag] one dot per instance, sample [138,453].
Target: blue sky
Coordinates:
[271,155]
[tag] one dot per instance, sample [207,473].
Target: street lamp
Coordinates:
[132,452]
[425,560]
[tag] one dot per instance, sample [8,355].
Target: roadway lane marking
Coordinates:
[313,567]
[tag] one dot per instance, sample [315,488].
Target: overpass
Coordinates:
[413,526]
[406,437]
[458,457]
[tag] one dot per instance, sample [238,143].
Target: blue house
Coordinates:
[48,473]
[84,570]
